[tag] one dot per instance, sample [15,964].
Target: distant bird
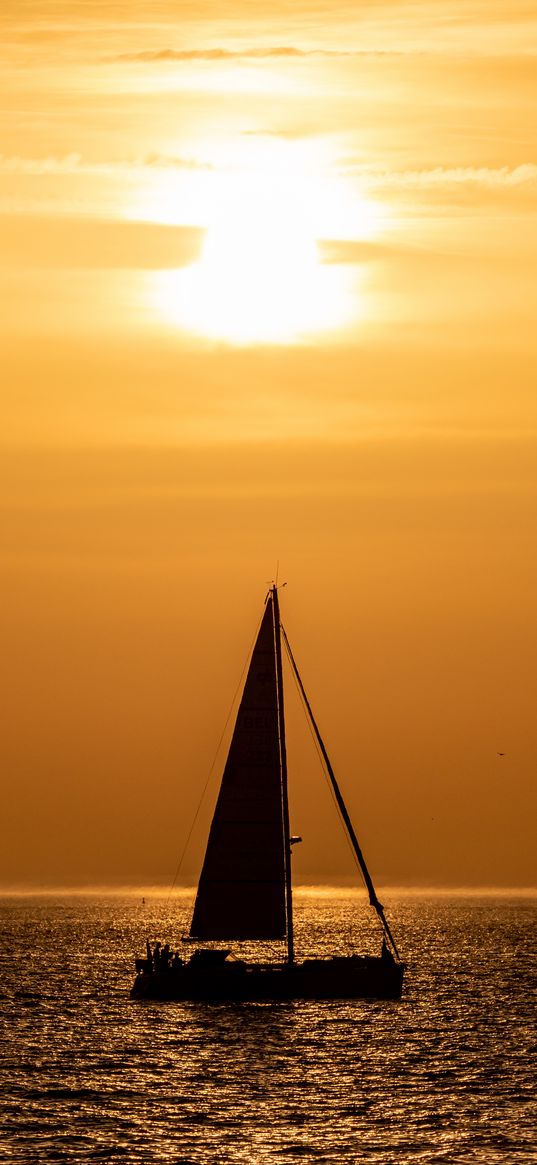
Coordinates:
[501,754]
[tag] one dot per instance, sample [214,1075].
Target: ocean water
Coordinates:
[445,1075]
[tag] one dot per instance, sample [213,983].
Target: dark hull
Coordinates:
[350,977]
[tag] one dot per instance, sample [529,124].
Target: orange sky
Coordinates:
[268,294]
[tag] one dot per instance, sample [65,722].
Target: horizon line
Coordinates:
[159,890]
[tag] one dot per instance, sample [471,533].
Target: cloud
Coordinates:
[38,242]
[257,54]
[349,251]
[291,134]
[485,176]
[76,164]
[212,54]
[360,251]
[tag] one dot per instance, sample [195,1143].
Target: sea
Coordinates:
[445,1075]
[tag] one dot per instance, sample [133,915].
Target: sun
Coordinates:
[264,205]
[259,278]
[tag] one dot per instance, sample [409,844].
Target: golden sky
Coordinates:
[268,295]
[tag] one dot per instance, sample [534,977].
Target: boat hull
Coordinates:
[351,977]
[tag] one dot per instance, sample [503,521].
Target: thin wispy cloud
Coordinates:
[524,174]
[490,177]
[76,164]
[358,251]
[256,54]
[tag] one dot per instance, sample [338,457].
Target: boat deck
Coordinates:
[341,977]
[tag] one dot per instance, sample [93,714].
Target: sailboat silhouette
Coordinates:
[245,891]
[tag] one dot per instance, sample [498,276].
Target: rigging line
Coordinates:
[210,773]
[322,764]
[343,810]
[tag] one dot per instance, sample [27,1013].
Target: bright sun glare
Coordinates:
[259,278]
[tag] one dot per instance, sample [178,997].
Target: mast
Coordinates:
[278,629]
[374,902]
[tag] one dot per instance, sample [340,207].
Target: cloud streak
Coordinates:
[523,175]
[76,164]
[151,56]
[484,176]
[33,241]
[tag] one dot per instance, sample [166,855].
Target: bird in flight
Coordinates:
[501,754]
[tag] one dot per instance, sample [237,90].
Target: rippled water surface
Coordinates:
[446,1075]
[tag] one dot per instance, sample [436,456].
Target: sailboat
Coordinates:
[245,891]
